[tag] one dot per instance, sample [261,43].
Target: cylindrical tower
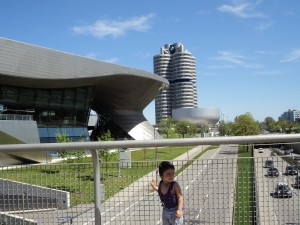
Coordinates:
[178,66]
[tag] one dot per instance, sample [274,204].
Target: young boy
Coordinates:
[170,194]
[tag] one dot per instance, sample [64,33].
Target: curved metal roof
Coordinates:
[116,87]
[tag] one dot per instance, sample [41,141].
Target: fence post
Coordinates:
[96,165]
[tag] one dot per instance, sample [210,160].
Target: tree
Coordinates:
[285,125]
[226,128]
[166,126]
[246,125]
[71,156]
[106,155]
[192,129]
[269,121]
[182,127]
[75,157]
[275,127]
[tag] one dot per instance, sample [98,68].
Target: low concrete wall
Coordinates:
[7,219]
[23,130]
[16,196]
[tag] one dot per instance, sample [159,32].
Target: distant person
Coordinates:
[170,194]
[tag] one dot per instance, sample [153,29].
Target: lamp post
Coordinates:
[187,148]
[155,130]
[172,132]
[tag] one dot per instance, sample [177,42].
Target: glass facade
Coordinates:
[55,110]
[48,135]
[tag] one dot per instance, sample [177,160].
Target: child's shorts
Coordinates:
[169,218]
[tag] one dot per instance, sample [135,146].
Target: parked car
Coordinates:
[283,190]
[273,153]
[260,150]
[272,172]
[269,163]
[291,170]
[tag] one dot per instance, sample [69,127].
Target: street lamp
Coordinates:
[172,132]
[155,130]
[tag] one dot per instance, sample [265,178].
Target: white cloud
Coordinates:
[262,52]
[230,57]
[263,26]
[103,28]
[244,10]
[92,55]
[143,55]
[268,73]
[294,55]
[218,67]
[112,60]
[234,59]
[204,12]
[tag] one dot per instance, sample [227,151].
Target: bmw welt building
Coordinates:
[43,92]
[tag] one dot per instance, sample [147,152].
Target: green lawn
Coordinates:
[165,153]
[244,202]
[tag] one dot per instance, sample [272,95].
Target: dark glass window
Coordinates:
[42,98]
[8,95]
[56,99]
[69,107]
[26,97]
[69,98]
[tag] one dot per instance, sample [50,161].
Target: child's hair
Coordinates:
[163,166]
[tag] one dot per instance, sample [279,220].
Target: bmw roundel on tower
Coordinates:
[172,49]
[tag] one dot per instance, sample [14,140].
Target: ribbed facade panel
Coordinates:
[178,66]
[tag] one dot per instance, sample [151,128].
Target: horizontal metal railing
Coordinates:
[128,197]
[15,117]
[259,139]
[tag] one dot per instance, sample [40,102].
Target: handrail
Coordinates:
[258,139]
[92,146]
[15,117]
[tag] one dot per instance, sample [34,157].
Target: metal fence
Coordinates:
[220,187]
[15,117]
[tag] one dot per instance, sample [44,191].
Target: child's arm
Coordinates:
[154,185]
[178,193]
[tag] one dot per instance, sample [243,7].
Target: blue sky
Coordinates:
[247,52]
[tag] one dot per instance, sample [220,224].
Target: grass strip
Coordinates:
[244,199]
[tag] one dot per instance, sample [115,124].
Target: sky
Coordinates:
[247,52]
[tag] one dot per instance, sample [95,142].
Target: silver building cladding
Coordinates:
[62,88]
[178,66]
